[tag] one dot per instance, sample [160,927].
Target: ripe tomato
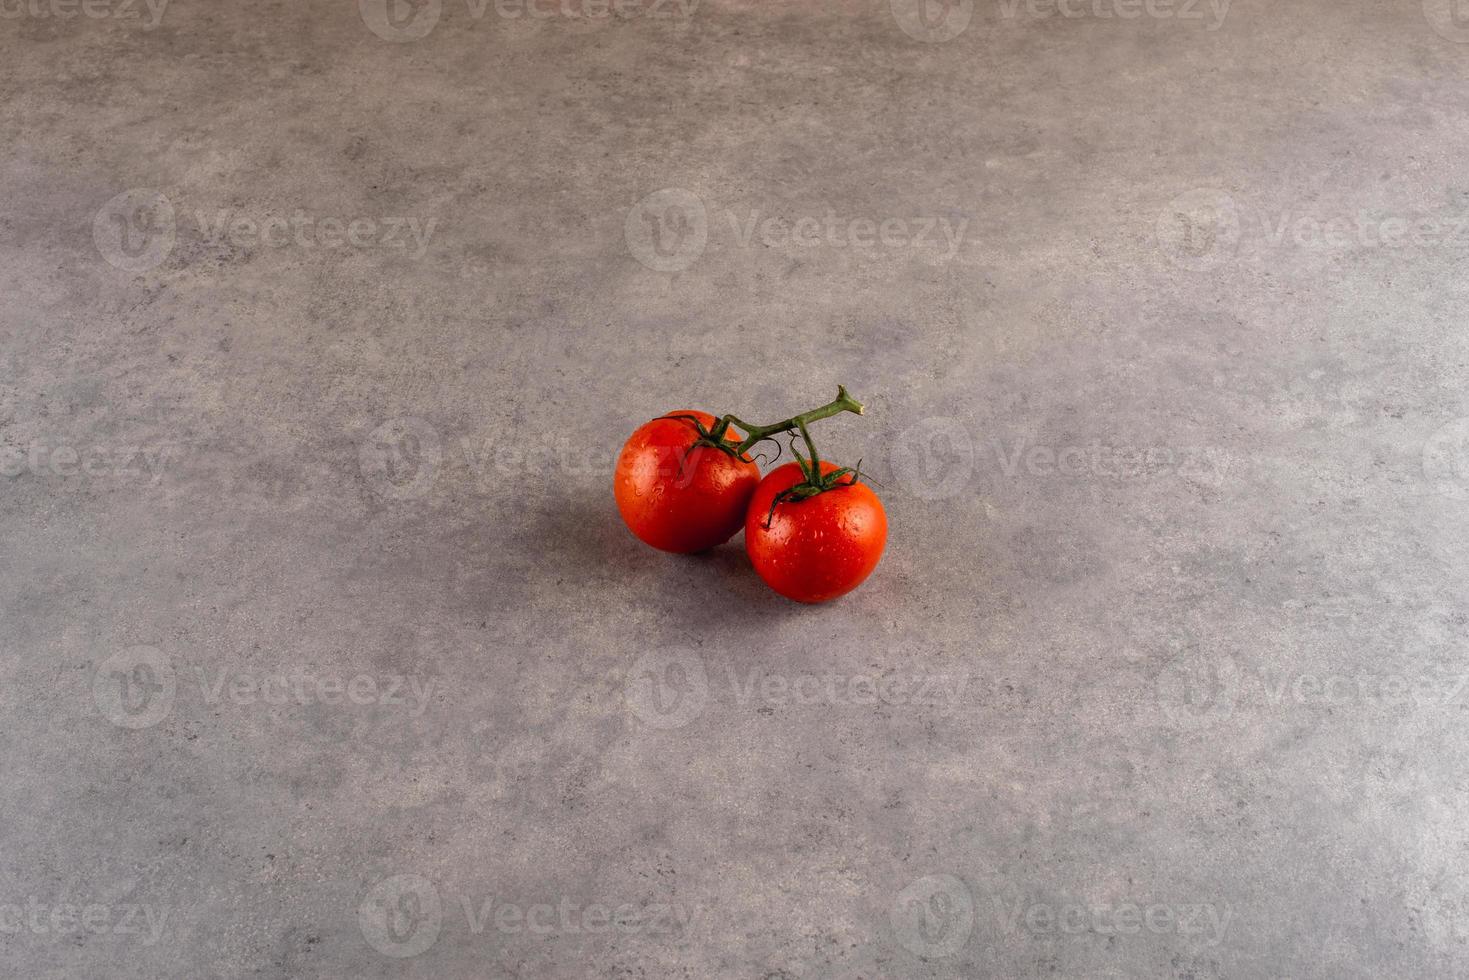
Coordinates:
[817,548]
[678,500]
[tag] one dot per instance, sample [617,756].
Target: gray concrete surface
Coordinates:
[326,655]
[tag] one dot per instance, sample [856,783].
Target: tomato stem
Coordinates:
[757,433]
[813,480]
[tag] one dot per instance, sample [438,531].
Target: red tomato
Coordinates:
[678,500]
[817,548]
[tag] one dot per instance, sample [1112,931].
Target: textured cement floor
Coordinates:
[325,653]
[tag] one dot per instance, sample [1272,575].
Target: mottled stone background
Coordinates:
[325,653]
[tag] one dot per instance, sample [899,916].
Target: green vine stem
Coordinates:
[814,481]
[758,433]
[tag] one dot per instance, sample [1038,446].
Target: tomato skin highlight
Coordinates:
[679,501]
[819,548]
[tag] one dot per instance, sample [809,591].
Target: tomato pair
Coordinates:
[685,482]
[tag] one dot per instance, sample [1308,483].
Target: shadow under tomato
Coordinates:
[585,541]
